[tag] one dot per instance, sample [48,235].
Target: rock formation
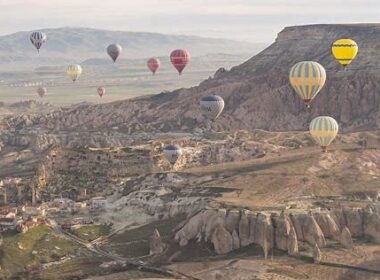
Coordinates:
[156,245]
[292,242]
[222,240]
[346,238]
[230,230]
[317,255]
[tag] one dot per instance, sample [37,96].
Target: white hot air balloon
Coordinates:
[172,153]
[212,106]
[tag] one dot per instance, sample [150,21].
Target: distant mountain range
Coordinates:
[74,45]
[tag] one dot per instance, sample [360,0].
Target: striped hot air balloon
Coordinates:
[324,130]
[345,51]
[114,50]
[101,91]
[153,64]
[74,71]
[212,106]
[180,58]
[307,78]
[41,91]
[172,153]
[38,38]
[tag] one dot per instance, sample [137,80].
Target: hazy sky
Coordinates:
[249,20]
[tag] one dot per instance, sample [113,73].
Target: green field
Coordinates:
[26,252]
[91,232]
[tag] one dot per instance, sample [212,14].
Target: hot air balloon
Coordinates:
[41,91]
[38,38]
[114,50]
[101,91]
[74,71]
[324,130]
[307,78]
[212,106]
[172,153]
[344,51]
[180,58]
[153,64]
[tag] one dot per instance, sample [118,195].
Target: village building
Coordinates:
[32,211]
[8,223]
[98,203]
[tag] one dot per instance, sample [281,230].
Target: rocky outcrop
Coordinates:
[312,233]
[244,229]
[222,240]
[230,230]
[156,245]
[292,243]
[317,255]
[354,219]
[346,238]
[372,226]
[328,226]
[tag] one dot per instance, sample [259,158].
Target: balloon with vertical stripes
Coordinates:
[345,51]
[307,79]
[74,71]
[38,38]
[324,129]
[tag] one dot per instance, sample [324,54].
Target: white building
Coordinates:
[98,203]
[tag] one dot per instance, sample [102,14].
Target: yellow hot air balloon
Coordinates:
[345,51]
[324,130]
[307,78]
[74,71]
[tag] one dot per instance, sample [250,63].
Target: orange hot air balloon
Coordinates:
[180,58]
[153,64]
[101,91]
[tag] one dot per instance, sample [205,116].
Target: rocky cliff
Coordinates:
[228,230]
[257,92]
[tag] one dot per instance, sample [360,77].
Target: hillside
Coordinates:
[257,92]
[68,45]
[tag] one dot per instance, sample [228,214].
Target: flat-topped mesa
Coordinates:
[328,31]
[228,230]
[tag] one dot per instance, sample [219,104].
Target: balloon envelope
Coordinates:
[153,64]
[101,91]
[324,129]
[38,38]
[212,106]
[172,153]
[345,51]
[74,71]
[307,78]
[180,58]
[114,50]
[41,91]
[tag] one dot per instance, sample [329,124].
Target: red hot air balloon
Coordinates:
[41,91]
[101,91]
[153,64]
[180,58]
